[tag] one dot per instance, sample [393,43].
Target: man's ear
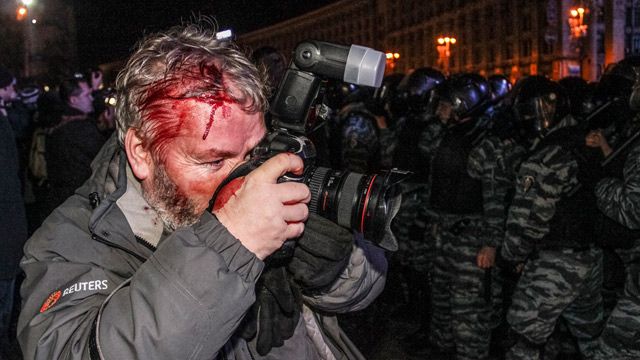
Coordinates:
[139,157]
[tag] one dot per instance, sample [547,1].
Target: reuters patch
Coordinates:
[51,300]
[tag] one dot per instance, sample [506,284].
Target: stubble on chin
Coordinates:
[174,208]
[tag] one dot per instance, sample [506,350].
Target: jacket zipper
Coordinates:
[98,238]
[145,243]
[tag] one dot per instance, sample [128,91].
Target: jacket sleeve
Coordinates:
[540,184]
[620,199]
[184,302]
[359,284]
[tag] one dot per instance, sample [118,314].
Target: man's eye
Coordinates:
[215,163]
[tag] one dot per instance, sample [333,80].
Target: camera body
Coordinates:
[365,203]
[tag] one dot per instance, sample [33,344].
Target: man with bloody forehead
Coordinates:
[134,266]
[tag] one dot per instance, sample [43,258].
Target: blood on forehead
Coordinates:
[215,102]
[166,107]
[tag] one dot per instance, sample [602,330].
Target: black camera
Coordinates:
[366,203]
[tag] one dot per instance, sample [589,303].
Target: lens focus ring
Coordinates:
[316,183]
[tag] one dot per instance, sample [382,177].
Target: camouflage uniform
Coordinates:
[495,163]
[461,313]
[619,200]
[416,249]
[563,281]
[461,304]
[415,252]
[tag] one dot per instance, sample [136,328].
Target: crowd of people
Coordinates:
[523,199]
[518,229]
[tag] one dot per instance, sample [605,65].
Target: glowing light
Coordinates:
[33,21]
[574,12]
[453,40]
[441,41]
[396,55]
[27,2]
[46,88]
[224,34]
[580,10]
[389,55]
[21,13]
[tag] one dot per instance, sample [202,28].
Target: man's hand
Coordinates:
[262,213]
[486,257]
[596,139]
[381,121]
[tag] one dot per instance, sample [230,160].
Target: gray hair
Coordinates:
[184,62]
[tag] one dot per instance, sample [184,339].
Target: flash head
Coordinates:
[353,64]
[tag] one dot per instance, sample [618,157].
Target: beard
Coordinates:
[174,208]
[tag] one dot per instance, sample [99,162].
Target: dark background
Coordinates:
[107,30]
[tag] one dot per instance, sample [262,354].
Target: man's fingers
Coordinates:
[294,230]
[292,192]
[277,166]
[295,213]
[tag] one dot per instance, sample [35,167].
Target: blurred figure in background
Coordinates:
[13,222]
[72,143]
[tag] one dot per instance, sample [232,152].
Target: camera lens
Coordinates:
[361,202]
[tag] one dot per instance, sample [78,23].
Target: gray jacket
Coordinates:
[96,287]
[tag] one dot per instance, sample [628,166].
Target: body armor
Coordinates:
[452,189]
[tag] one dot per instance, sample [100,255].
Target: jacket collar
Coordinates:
[120,204]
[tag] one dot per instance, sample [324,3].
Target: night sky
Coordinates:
[107,30]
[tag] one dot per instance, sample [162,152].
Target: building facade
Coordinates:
[511,37]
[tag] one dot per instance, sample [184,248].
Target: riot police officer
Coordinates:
[412,118]
[460,318]
[549,226]
[617,198]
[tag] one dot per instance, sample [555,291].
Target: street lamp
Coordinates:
[577,22]
[21,12]
[392,57]
[578,30]
[444,50]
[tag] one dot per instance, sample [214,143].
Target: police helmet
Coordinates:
[500,87]
[414,90]
[468,94]
[539,104]
[336,93]
[617,80]
[385,93]
[580,95]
